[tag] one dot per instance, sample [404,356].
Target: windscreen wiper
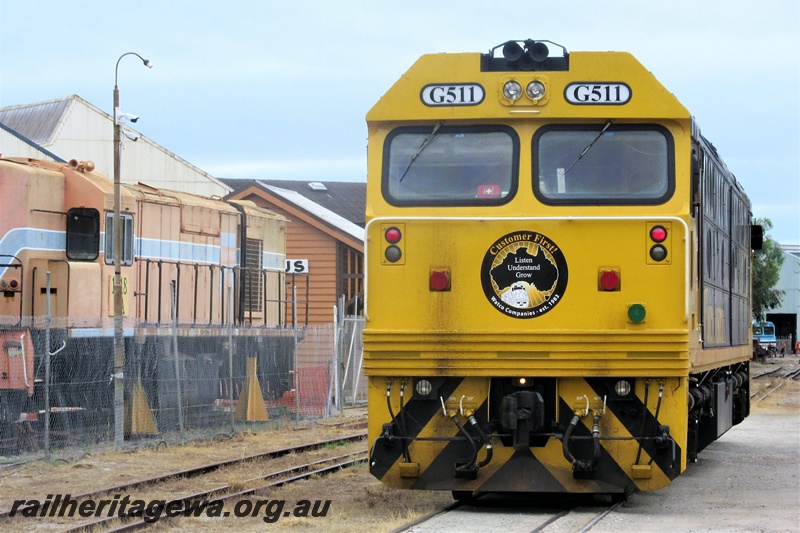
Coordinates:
[422,146]
[589,146]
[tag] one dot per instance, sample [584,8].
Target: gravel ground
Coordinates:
[747,481]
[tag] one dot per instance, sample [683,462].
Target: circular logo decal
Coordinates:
[524,274]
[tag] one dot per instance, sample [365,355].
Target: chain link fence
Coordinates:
[180,383]
[351,385]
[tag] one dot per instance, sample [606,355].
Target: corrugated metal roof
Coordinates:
[346,199]
[37,122]
[318,211]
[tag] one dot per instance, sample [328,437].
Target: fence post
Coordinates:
[357,330]
[296,368]
[341,373]
[47,375]
[332,366]
[335,362]
[230,362]
[176,357]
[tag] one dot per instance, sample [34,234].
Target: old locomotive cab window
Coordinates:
[127,239]
[83,234]
[603,164]
[450,166]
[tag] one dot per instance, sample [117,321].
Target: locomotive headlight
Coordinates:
[512,90]
[535,90]
[622,388]
[427,388]
[423,387]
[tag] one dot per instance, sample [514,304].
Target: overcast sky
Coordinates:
[279,90]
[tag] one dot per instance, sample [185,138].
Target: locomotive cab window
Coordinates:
[450,165]
[83,234]
[127,239]
[603,164]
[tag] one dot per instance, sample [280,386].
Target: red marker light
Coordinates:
[440,280]
[609,280]
[14,284]
[658,233]
[393,235]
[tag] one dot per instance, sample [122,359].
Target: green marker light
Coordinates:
[636,313]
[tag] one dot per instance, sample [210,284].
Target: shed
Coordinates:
[326,230]
[73,128]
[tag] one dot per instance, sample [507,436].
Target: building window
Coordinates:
[127,239]
[350,266]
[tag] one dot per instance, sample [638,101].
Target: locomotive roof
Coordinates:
[166,196]
[649,100]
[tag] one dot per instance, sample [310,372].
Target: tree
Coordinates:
[766,272]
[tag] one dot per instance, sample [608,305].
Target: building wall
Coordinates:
[11,146]
[787,316]
[304,241]
[789,283]
[86,133]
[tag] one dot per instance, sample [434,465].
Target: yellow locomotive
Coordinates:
[558,277]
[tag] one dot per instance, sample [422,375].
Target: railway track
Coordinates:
[773,386]
[497,515]
[184,505]
[767,373]
[153,489]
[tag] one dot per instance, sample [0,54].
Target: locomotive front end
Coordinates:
[534,309]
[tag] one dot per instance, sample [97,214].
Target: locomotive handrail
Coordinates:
[24,357]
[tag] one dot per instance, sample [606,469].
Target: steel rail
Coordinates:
[767,373]
[773,389]
[204,469]
[538,529]
[142,523]
[429,516]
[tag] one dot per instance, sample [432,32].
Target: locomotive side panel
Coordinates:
[60,220]
[32,203]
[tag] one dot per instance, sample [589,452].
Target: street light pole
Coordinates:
[119,341]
